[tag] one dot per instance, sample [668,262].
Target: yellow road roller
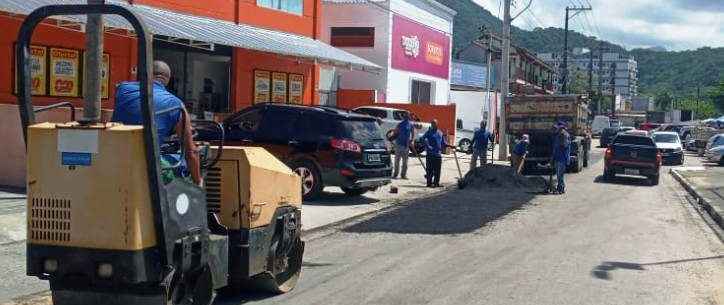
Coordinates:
[105,228]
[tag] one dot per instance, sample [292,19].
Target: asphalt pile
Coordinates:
[492,176]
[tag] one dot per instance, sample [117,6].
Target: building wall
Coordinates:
[361,15]
[399,82]
[246,61]
[247,12]
[393,84]
[122,53]
[421,11]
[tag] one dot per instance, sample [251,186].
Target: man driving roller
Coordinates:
[171,117]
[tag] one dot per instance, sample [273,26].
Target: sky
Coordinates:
[673,24]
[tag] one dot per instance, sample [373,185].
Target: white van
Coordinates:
[599,123]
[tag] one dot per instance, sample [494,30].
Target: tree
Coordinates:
[663,101]
[717,97]
[702,109]
[578,82]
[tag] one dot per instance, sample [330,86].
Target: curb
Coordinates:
[383,209]
[703,202]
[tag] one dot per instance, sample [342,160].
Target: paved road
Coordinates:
[607,243]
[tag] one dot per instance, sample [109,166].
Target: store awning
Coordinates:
[213,31]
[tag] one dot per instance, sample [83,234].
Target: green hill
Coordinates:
[677,72]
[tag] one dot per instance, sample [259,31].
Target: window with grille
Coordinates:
[421,92]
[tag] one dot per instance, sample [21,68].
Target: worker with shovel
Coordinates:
[517,158]
[434,144]
[481,138]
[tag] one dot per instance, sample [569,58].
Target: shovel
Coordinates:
[462,183]
[419,159]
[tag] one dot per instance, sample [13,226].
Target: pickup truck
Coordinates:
[633,154]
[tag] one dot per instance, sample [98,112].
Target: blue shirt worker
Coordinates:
[434,144]
[171,118]
[405,134]
[481,138]
[561,155]
[520,150]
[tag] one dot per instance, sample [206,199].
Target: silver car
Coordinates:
[715,149]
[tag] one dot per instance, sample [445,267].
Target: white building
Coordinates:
[623,69]
[410,39]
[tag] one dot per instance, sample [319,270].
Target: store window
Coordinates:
[352,37]
[421,92]
[289,6]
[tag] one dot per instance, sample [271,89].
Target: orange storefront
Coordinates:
[219,75]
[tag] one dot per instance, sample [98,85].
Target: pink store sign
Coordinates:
[417,48]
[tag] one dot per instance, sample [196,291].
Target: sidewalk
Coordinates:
[706,183]
[12,216]
[334,207]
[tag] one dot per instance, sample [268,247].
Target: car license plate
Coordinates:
[629,171]
[373,158]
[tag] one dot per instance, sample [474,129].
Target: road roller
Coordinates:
[105,228]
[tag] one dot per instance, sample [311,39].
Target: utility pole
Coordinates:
[93,61]
[590,72]
[576,10]
[488,81]
[505,78]
[698,96]
[600,76]
[612,82]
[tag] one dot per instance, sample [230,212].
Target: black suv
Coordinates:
[325,146]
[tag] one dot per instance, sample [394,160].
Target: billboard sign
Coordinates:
[418,48]
[464,74]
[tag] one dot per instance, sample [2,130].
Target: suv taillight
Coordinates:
[346,145]
[609,153]
[659,159]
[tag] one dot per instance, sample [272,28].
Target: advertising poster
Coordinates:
[296,88]
[105,71]
[38,60]
[64,72]
[38,75]
[262,86]
[279,87]
[418,48]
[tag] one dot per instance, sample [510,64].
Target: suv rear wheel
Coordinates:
[354,192]
[311,179]
[465,146]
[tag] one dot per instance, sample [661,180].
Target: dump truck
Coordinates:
[536,115]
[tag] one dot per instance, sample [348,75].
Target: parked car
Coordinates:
[632,154]
[649,126]
[325,146]
[390,117]
[608,134]
[464,140]
[716,154]
[669,144]
[715,141]
[600,122]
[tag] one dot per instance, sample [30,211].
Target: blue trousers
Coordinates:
[560,173]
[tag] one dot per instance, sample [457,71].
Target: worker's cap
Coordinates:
[525,138]
[560,124]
